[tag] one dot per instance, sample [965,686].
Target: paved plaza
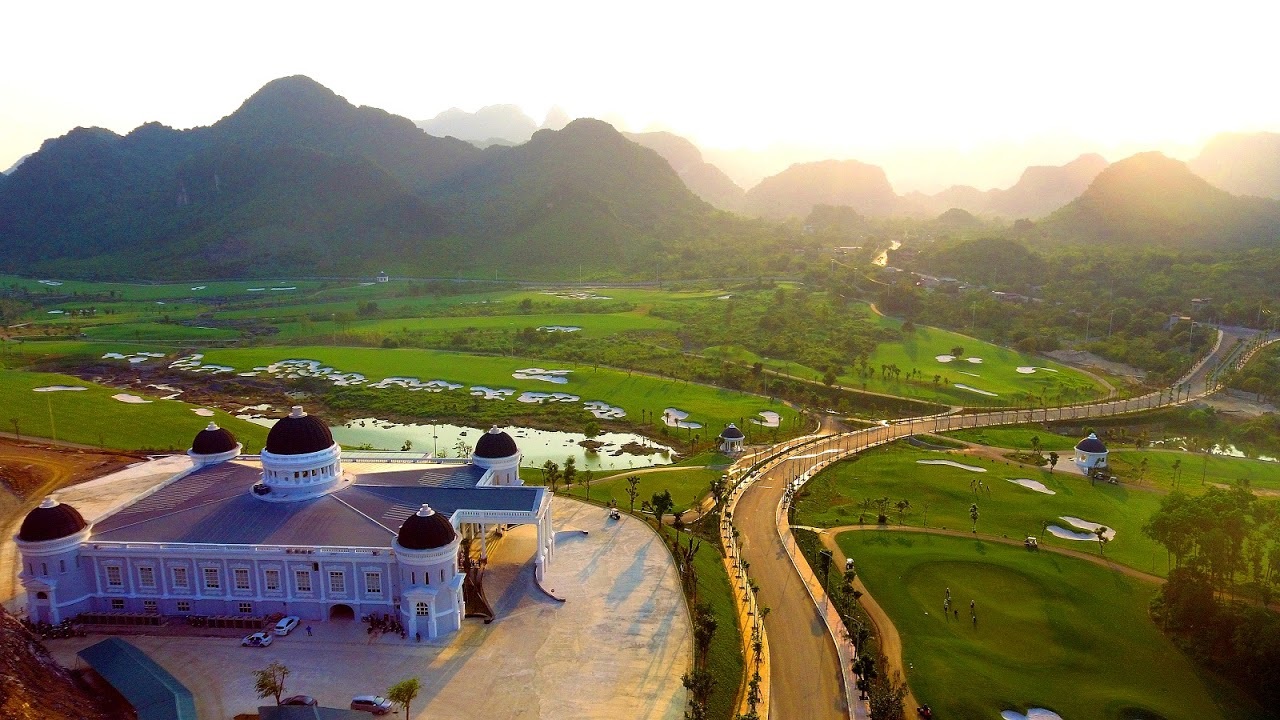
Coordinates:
[616,647]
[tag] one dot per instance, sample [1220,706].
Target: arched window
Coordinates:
[422,610]
[42,595]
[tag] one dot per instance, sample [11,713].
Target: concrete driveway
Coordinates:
[615,648]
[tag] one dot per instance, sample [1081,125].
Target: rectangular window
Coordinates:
[147,577]
[304,581]
[273,579]
[246,608]
[337,582]
[373,583]
[149,606]
[115,578]
[211,581]
[242,578]
[184,606]
[180,577]
[117,603]
[62,566]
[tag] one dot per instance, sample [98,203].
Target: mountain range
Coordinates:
[298,181]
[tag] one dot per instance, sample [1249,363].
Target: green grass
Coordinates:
[724,658]
[1016,437]
[918,351]
[835,497]
[1194,468]
[594,325]
[154,331]
[1053,632]
[92,417]
[713,407]
[687,486]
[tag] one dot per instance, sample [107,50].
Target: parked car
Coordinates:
[375,704]
[286,625]
[258,639]
[299,700]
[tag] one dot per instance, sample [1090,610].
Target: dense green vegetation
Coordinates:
[1226,545]
[1052,632]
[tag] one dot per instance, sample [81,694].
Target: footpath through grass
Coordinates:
[1053,632]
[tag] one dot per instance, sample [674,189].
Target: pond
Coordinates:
[536,446]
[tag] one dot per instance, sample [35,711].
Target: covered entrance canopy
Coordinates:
[153,692]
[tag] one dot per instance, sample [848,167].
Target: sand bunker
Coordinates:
[59,388]
[491,393]
[559,377]
[131,399]
[202,412]
[1032,485]
[539,398]
[962,386]
[200,287]
[975,360]
[50,283]
[559,328]
[134,358]
[962,372]
[952,463]
[284,288]
[1090,527]
[577,295]
[256,289]
[55,312]
[1032,714]
[1029,369]
[944,358]
[771,418]
[604,410]
[675,417]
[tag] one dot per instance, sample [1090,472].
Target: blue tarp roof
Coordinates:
[153,692]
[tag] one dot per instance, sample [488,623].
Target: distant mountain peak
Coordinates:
[1242,163]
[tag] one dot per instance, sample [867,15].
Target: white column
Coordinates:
[484,541]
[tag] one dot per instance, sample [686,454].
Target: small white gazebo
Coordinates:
[731,439]
[1090,454]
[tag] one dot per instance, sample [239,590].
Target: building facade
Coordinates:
[292,531]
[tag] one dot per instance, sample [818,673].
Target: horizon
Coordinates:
[971,97]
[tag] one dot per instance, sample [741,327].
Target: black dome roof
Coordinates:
[1091,444]
[298,434]
[213,440]
[495,444]
[731,433]
[425,530]
[51,521]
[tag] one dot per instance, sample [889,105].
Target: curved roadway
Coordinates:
[806,677]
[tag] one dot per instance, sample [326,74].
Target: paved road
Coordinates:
[806,676]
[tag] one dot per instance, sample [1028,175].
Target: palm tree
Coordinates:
[403,693]
[661,503]
[1103,539]
[1053,460]
[902,506]
[1177,470]
[1035,444]
[973,515]
[632,490]
[551,474]
[570,472]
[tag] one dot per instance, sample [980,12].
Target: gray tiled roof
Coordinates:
[215,505]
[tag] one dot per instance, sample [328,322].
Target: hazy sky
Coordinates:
[935,91]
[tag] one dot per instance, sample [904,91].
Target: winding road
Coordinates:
[807,678]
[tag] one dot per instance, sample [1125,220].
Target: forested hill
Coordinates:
[298,181]
[1151,200]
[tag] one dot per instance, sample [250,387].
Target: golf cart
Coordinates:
[1031,543]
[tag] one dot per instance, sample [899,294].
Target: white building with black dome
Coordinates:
[1090,455]
[292,530]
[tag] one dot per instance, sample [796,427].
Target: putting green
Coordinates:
[1052,632]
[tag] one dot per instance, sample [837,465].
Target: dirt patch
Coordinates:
[30,469]
[34,687]
[1083,359]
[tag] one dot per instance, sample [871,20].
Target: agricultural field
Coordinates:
[1053,632]
[941,496]
[93,416]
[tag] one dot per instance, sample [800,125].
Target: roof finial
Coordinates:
[425,511]
[211,426]
[296,412]
[48,502]
[495,430]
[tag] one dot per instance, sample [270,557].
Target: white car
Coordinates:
[371,704]
[286,625]
[258,639]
